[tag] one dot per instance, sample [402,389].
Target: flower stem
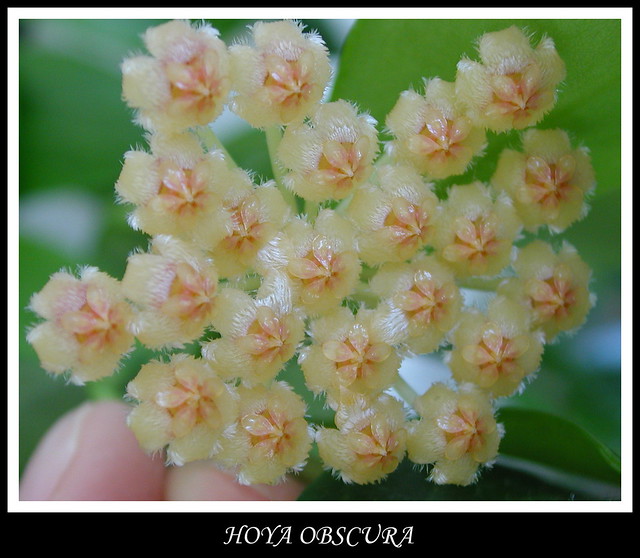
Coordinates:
[311,209]
[274,135]
[344,204]
[405,390]
[362,293]
[108,388]
[249,282]
[211,141]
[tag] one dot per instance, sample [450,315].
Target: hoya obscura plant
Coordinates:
[361,253]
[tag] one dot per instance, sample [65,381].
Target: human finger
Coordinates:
[91,454]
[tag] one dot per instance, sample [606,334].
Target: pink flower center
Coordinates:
[320,269]
[248,227]
[341,164]
[269,430]
[554,297]
[268,337]
[196,82]
[496,355]
[425,302]
[182,191]
[408,223]
[376,447]
[191,401]
[549,184]
[519,94]
[98,324]
[440,138]
[288,81]
[464,432]
[191,295]
[475,240]
[356,357]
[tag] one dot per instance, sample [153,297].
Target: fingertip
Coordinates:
[91,454]
[202,480]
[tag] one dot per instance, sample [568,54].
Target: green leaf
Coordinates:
[551,441]
[408,482]
[74,126]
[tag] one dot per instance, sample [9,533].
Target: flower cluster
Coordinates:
[345,264]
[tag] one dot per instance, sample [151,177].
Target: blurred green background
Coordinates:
[75,129]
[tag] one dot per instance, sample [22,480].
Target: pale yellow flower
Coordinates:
[420,302]
[184,83]
[282,77]
[456,433]
[175,189]
[330,154]
[514,85]
[393,217]
[320,259]
[548,182]
[351,353]
[496,350]
[432,132]
[553,285]
[258,334]
[474,233]
[182,406]
[369,443]
[271,437]
[256,214]
[87,327]
[175,288]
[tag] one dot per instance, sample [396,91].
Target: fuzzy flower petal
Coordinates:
[184,83]
[548,181]
[281,77]
[432,132]
[87,327]
[514,85]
